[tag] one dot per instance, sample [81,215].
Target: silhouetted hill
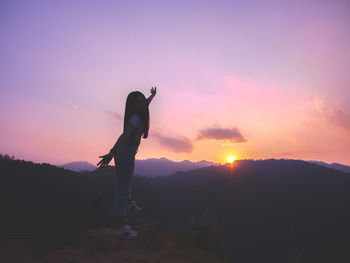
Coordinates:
[271,206]
[265,210]
[335,166]
[78,166]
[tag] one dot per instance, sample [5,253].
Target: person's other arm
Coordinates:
[123,138]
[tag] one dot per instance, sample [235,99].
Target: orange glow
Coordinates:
[231,159]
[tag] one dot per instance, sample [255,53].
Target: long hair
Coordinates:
[130,109]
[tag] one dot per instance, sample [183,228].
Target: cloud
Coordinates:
[339,117]
[174,144]
[115,115]
[233,135]
[331,114]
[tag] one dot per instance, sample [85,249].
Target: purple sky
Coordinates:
[250,79]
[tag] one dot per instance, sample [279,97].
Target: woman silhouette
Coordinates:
[136,124]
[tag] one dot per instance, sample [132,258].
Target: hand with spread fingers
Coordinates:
[153,91]
[105,160]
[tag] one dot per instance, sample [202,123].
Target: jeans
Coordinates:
[124,160]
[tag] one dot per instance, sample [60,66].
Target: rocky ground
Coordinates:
[100,245]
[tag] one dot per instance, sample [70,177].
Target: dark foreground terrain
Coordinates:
[258,211]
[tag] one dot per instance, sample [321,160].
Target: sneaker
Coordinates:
[125,232]
[132,206]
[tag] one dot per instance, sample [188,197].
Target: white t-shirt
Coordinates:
[136,121]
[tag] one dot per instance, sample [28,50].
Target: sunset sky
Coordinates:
[250,79]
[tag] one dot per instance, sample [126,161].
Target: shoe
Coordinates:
[125,232]
[133,207]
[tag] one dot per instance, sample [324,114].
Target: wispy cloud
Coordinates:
[181,144]
[333,115]
[114,115]
[233,135]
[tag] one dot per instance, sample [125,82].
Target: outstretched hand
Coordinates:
[105,160]
[153,91]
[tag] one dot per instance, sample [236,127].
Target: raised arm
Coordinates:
[148,100]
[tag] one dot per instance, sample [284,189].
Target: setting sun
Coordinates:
[231,159]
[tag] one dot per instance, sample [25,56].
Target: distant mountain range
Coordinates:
[162,167]
[335,166]
[155,167]
[148,167]
[78,166]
